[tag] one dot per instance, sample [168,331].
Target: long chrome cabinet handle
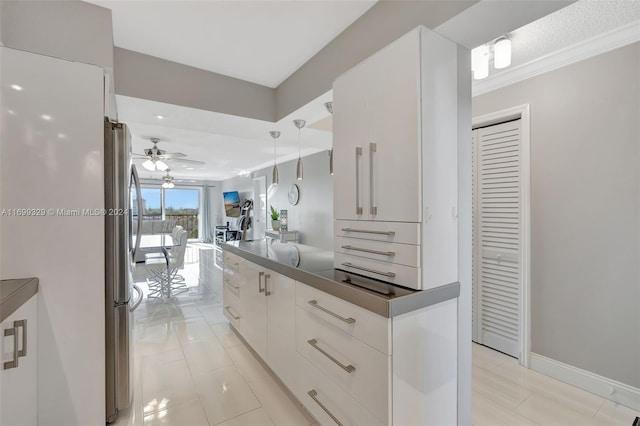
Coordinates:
[383,253]
[314,303]
[348,368]
[314,395]
[373,271]
[227,308]
[266,278]
[14,362]
[372,148]
[22,324]
[260,288]
[366,231]
[227,282]
[358,154]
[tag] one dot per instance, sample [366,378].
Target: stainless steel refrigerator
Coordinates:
[121,187]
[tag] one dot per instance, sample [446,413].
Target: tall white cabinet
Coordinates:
[395,137]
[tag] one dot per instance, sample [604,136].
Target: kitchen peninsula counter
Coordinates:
[14,293]
[314,267]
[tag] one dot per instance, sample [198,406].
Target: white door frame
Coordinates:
[521,112]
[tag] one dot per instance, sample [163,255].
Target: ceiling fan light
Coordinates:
[480,64]
[161,165]
[149,165]
[171,185]
[165,185]
[502,53]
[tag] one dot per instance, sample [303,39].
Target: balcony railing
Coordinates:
[189,222]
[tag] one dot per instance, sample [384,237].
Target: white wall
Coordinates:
[312,217]
[585,210]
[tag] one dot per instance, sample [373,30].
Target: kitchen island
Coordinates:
[351,349]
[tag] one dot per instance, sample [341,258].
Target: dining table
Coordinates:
[158,243]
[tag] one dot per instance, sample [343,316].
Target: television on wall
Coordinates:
[231,203]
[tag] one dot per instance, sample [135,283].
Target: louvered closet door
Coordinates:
[498,241]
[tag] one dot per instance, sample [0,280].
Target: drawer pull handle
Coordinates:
[314,395]
[14,362]
[383,253]
[365,231]
[373,271]
[260,288]
[358,154]
[266,279]
[227,308]
[348,368]
[314,303]
[227,282]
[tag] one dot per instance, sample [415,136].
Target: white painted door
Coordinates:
[497,280]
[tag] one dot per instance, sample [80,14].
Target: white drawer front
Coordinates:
[357,368]
[329,400]
[395,232]
[231,261]
[232,307]
[372,329]
[402,254]
[393,273]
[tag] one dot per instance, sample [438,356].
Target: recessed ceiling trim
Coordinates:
[593,46]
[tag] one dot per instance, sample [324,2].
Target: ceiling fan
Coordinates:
[156,157]
[167,181]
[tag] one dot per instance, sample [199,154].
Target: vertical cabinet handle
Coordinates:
[260,288]
[266,291]
[17,353]
[358,155]
[372,208]
[314,395]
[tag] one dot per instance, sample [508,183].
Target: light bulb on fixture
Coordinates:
[502,53]
[161,165]
[149,165]
[299,172]
[274,178]
[480,62]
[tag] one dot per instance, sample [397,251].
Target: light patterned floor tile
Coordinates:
[225,394]
[487,412]
[187,414]
[226,336]
[167,385]
[192,330]
[488,359]
[552,412]
[205,355]
[502,391]
[257,417]
[611,414]
[213,314]
[280,407]
[246,363]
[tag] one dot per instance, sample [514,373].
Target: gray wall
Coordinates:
[585,210]
[313,216]
[147,77]
[70,29]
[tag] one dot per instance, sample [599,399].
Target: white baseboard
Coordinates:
[607,388]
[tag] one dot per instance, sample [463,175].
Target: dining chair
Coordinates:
[164,280]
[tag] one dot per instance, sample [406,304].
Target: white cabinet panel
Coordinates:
[392,232]
[402,275]
[372,329]
[253,295]
[281,317]
[357,368]
[402,254]
[18,386]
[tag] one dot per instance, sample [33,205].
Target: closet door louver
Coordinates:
[498,235]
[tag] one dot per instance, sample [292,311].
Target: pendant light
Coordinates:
[329,107]
[274,177]
[299,124]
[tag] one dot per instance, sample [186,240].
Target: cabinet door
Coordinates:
[393,153]
[18,386]
[255,304]
[281,302]
[349,145]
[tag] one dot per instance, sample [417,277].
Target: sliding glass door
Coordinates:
[181,205]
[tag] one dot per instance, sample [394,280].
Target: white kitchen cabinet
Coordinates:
[395,135]
[253,296]
[281,316]
[18,374]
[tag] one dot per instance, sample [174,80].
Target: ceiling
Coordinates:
[231,145]
[263,42]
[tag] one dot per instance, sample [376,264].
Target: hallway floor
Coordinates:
[192,370]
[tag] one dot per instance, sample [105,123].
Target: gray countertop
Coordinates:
[314,267]
[14,293]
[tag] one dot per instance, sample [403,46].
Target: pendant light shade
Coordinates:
[274,175]
[480,62]
[329,107]
[299,172]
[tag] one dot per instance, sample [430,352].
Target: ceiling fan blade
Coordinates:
[183,160]
[172,155]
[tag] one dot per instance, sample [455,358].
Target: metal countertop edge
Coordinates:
[18,297]
[349,293]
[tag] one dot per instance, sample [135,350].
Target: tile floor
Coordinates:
[192,370]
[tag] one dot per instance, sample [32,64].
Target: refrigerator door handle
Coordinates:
[137,303]
[136,182]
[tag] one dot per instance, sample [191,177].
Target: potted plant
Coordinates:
[275,223]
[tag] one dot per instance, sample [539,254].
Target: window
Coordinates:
[181,205]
